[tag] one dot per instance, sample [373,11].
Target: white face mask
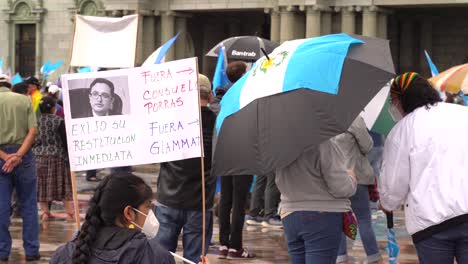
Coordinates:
[151,226]
[395,113]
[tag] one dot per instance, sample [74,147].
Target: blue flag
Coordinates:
[434,70]
[220,78]
[85,69]
[1,65]
[16,79]
[164,48]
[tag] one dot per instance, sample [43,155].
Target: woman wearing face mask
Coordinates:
[424,168]
[118,227]
[53,181]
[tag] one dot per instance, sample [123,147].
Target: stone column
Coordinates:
[149,36]
[313,21]
[287,24]
[382,25]
[407,46]
[11,45]
[425,44]
[167,32]
[348,20]
[38,46]
[275,25]
[326,22]
[369,21]
[180,44]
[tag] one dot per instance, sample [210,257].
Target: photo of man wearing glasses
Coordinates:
[103,101]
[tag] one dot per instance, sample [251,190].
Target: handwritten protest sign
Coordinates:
[132,116]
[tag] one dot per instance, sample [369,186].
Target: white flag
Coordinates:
[105,41]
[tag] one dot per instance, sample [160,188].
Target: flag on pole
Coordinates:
[16,79]
[48,68]
[434,70]
[159,55]
[88,69]
[220,78]
[104,41]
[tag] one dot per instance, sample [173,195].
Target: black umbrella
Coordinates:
[244,48]
[273,131]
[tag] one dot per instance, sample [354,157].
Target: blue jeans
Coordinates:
[313,237]
[361,208]
[444,246]
[172,221]
[24,178]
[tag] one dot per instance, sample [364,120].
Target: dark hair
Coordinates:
[454,99]
[112,195]
[21,88]
[419,93]
[104,81]
[235,70]
[33,80]
[46,104]
[5,84]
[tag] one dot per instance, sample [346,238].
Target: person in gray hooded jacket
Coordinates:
[314,193]
[355,144]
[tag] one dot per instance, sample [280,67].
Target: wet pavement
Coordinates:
[267,244]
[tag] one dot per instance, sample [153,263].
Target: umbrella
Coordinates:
[244,48]
[392,248]
[376,114]
[452,80]
[307,92]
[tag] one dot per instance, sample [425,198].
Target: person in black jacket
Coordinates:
[179,192]
[234,191]
[118,224]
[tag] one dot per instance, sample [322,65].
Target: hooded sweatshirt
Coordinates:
[316,181]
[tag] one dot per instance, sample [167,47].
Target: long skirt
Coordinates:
[53,179]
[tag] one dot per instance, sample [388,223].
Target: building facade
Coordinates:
[34,31]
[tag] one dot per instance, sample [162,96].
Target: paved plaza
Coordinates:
[268,245]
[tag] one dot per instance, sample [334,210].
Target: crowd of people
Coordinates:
[421,167]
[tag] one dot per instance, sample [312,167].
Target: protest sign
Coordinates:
[132,116]
[104,41]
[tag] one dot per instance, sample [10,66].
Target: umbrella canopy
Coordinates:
[376,113]
[309,91]
[452,80]
[244,48]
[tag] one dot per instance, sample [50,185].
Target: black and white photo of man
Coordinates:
[100,99]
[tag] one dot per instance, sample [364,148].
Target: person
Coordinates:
[117,227]
[356,143]
[54,182]
[18,129]
[34,92]
[315,191]
[265,195]
[234,190]
[424,168]
[54,91]
[101,100]
[20,88]
[179,192]
[234,71]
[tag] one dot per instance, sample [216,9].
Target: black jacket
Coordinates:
[118,245]
[179,182]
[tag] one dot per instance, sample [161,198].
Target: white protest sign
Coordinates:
[132,116]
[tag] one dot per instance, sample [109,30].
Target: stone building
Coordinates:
[38,30]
